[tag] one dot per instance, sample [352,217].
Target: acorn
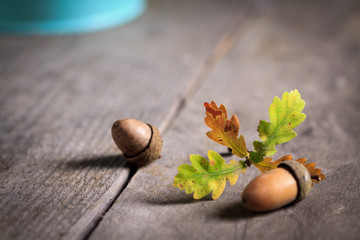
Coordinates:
[139,142]
[289,182]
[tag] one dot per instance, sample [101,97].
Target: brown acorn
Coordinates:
[140,142]
[273,189]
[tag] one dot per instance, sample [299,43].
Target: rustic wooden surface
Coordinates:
[61,173]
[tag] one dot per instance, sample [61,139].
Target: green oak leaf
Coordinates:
[285,114]
[204,176]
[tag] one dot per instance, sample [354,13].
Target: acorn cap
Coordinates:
[301,175]
[151,152]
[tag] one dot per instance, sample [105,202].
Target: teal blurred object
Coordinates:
[66,16]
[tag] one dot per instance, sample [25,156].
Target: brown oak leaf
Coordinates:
[315,173]
[225,131]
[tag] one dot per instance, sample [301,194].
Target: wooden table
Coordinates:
[63,178]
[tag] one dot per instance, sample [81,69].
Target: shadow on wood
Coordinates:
[227,153]
[113,161]
[238,211]
[176,199]
[234,212]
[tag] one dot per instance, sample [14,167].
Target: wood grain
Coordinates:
[60,170]
[281,46]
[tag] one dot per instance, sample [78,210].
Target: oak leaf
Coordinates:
[285,114]
[204,176]
[225,131]
[315,173]
[267,164]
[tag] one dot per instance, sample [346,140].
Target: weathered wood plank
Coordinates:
[311,47]
[59,96]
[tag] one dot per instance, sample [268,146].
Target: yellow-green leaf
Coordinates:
[203,176]
[285,114]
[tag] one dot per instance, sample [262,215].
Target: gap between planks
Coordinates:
[202,71]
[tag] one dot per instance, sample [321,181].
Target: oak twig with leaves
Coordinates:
[204,176]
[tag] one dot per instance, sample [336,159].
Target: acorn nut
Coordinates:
[278,187]
[140,143]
